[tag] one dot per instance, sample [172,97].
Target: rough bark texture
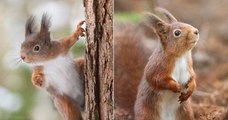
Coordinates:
[99,59]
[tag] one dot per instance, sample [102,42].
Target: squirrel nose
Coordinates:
[196,32]
[22,57]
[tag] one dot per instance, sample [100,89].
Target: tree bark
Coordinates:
[99,59]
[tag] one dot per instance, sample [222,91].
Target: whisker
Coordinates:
[18,61]
[15,59]
[17,64]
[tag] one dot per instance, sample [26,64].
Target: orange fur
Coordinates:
[80,62]
[130,59]
[68,42]
[80,65]
[38,76]
[68,109]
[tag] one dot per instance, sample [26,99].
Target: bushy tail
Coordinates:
[130,58]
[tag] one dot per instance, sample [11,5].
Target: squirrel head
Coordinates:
[37,46]
[176,37]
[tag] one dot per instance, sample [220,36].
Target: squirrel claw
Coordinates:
[80,24]
[184,96]
[179,101]
[80,30]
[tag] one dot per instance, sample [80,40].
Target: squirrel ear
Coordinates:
[45,37]
[44,28]
[45,24]
[167,14]
[29,27]
[160,27]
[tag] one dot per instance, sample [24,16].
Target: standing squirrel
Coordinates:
[55,70]
[130,57]
[169,78]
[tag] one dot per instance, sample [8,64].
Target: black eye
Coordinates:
[36,48]
[177,32]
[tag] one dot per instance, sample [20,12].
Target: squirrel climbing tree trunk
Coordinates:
[99,59]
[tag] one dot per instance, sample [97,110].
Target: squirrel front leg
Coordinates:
[71,39]
[67,108]
[191,85]
[166,83]
[38,76]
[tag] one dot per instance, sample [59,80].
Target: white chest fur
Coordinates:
[181,70]
[170,104]
[62,75]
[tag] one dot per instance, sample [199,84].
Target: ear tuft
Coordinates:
[29,27]
[160,27]
[45,23]
[167,14]
[151,18]
[155,22]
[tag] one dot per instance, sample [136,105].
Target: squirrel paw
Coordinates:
[175,87]
[38,80]
[80,30]
[184,96]
[189,88]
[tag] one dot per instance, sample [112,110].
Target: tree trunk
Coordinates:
[99,59]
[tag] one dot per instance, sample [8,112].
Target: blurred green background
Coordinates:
[19,99]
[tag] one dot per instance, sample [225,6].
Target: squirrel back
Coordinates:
[130,58]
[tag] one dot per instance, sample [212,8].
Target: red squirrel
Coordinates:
[131,57]
[55,70]
[169,78]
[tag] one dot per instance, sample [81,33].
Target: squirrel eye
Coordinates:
[36,48]
[177,32]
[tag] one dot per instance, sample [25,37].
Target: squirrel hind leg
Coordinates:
[68,109]
[80,62]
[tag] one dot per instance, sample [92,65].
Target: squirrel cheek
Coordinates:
[190,36]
